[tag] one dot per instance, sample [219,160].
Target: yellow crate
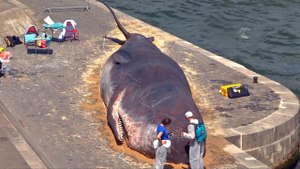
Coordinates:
[224,88]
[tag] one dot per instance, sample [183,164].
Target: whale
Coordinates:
[140,86]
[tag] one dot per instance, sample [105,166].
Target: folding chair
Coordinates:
[71,32]
[30,35]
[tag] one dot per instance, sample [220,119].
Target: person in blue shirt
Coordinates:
[163,144]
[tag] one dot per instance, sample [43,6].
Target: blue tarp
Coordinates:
[56,25]
[33,37]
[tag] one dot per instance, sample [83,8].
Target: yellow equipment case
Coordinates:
[234,90]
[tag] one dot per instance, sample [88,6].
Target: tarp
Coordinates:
[5,56]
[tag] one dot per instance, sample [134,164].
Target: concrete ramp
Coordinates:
[15,17]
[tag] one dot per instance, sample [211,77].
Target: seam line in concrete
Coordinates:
[283,114]
[24,135]
[24,149]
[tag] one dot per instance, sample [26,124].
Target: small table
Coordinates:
[31,39]
[53,27]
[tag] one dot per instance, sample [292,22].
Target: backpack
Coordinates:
[9,41]
[200,132]
[16,40]
[234,92]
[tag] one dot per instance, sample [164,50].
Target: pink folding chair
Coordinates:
[71,32]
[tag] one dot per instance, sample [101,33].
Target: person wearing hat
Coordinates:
[161,144]
[197,149]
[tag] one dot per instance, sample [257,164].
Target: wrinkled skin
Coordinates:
[140,86]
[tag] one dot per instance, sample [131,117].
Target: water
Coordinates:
[262,35]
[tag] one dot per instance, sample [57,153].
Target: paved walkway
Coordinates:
[44,93]
[15,152]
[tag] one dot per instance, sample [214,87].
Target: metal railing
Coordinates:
[51,9]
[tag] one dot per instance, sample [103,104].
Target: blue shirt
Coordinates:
[162,129]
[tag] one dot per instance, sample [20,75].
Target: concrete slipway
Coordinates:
[50,110]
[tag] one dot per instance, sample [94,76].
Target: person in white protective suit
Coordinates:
[197,149]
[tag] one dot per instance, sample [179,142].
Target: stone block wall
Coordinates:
[274,139]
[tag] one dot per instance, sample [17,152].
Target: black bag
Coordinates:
[9,42]
[12,41]
[16,40]
[235,92]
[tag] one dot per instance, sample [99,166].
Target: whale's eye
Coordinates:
[121,57]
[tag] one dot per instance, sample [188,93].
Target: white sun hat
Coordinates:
[188,114]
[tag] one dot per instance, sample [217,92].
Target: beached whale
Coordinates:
[140,86]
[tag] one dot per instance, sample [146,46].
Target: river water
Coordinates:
[262,35]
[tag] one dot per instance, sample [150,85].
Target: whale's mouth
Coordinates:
[121,130]
[118,125]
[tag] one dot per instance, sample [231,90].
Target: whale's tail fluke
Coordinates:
[120,26]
